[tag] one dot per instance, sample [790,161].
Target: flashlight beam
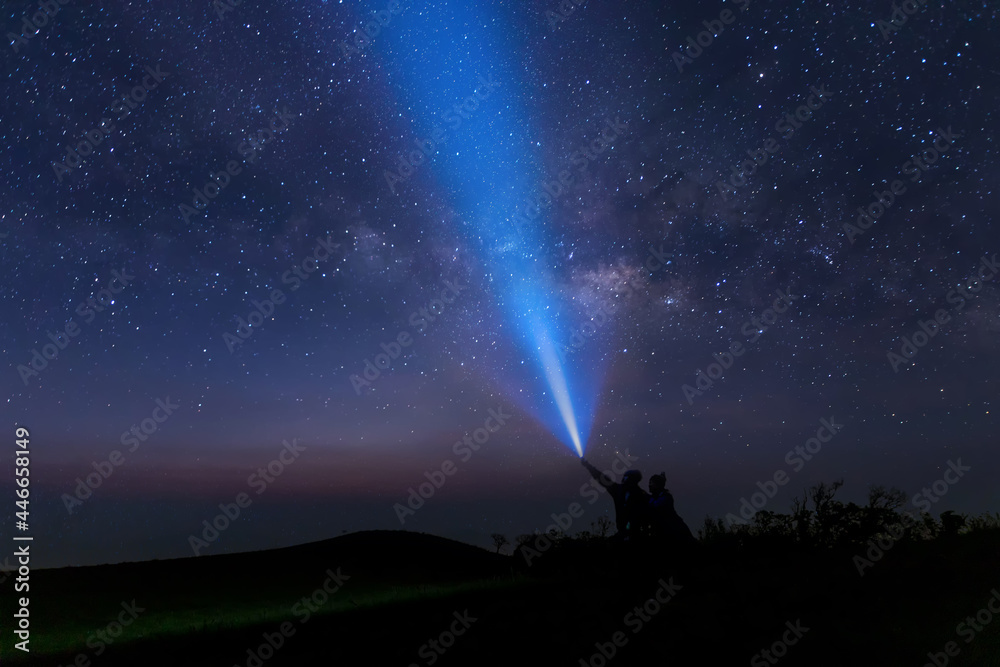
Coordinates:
[560,391]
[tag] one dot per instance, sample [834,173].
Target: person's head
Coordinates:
[631,478]
[657,483]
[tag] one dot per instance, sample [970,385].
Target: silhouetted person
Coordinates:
[667,526]
[951,523]
[631,502]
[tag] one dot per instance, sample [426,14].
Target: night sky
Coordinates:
[400,195]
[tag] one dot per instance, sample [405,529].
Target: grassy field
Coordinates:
[206,612]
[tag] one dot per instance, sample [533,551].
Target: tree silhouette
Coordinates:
[499,541]
[602,526]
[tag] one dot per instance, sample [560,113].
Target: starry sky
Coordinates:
[200,336]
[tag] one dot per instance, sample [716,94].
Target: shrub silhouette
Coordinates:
[818,520]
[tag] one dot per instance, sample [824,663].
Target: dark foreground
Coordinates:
[388,595]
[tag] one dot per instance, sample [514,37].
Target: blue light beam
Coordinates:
[560,390]
[488,164]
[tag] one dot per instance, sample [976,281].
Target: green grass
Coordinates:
[184,615]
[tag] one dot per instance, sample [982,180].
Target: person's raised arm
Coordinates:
[602,479]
